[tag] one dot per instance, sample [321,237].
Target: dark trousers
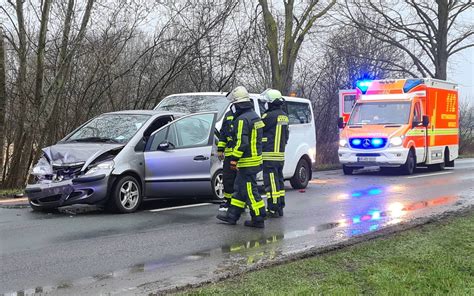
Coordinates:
[228,179]
[246,192]
[274,183]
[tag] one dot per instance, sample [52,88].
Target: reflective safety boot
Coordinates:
[255,223]
[231,216]
[273,214]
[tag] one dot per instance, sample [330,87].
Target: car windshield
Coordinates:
[194,104]
[110,128]
[380,113]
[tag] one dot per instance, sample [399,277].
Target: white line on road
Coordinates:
[182,207]
[429,175]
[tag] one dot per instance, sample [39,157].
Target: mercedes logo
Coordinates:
[366,143]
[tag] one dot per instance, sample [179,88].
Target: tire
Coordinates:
[347,170]
[217,185]
[302,175]
[409,166]
[126,195]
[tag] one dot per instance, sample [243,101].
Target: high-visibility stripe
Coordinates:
[273,153]
[435,132]
[252,199]
[282,193]
[227,195]
[282,119]
[264,139]
[221,144]
[238,203]
[230,117]
[275,193]
[236,151]
[277,139]
[253,143]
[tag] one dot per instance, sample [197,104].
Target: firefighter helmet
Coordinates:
[238,95]
[272,94]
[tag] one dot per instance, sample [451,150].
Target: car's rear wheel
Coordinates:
[302,175]
[126,195]
[218,185]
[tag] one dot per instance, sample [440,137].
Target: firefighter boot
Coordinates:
[231,216]
[273,209]
[256,221]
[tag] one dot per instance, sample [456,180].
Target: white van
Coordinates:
[301,149]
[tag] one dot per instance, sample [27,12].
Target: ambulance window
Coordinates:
[417,113]
[298,113]
[349,101]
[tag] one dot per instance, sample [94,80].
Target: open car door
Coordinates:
[347,100]
[178,157]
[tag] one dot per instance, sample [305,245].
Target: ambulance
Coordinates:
[398,124]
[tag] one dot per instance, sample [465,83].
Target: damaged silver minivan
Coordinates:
[117,159]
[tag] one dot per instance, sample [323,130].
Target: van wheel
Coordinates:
[126,195]
[347,170]
[302,175]
[409,167]
[218,185]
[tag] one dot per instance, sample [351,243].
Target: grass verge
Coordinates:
[10,193]
[436,258]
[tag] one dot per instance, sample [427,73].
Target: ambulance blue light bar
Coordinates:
[364,85]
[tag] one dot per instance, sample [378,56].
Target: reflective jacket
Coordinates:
[247,135]
[275,133]
[225,143]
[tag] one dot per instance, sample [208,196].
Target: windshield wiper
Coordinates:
[95,139]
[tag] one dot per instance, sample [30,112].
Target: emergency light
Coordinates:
[363,85]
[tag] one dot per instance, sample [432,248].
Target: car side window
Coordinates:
[298,113]
[349,102]
[193,131]
[158,138]
[417,112]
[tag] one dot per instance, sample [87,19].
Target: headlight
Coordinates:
[396,141]
[42,167]
[343,143]
[104,167]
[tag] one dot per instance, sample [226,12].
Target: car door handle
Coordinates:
[200,158]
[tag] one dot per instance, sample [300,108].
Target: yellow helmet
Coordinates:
[238,95]
[272,94]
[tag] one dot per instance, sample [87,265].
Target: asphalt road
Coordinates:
[167,244]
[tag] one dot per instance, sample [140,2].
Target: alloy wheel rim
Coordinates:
[129,195]
[219,186]
[302,174]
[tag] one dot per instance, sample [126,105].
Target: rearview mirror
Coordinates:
[340,122]
[426,120]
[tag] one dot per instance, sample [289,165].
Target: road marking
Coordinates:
[182,207]
[429,175]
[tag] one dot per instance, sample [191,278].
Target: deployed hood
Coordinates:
[65,154]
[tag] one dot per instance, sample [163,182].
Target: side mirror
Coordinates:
[340,122]
[426,120]
[165,145]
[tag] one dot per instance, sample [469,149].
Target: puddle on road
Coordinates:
[250,252]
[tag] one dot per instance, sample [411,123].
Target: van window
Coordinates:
[349,101]
[417,112]
[298,113]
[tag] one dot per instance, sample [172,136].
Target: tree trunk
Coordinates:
[3,98]
[441,59]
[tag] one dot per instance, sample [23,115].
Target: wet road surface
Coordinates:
[168,244]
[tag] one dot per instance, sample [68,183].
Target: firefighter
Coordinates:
[275,138]
[246,159]
[224,151]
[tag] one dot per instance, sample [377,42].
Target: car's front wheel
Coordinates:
[126,195]
[218,185]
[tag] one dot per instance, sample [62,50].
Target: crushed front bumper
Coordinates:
[387,157]
[82,190]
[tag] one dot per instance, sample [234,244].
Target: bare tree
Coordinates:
[429,32]
[295,30]
[3,98]
[466,128]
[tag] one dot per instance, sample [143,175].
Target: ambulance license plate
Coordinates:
[366,159]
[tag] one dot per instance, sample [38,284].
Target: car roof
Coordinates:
[253,95]
[145,112]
